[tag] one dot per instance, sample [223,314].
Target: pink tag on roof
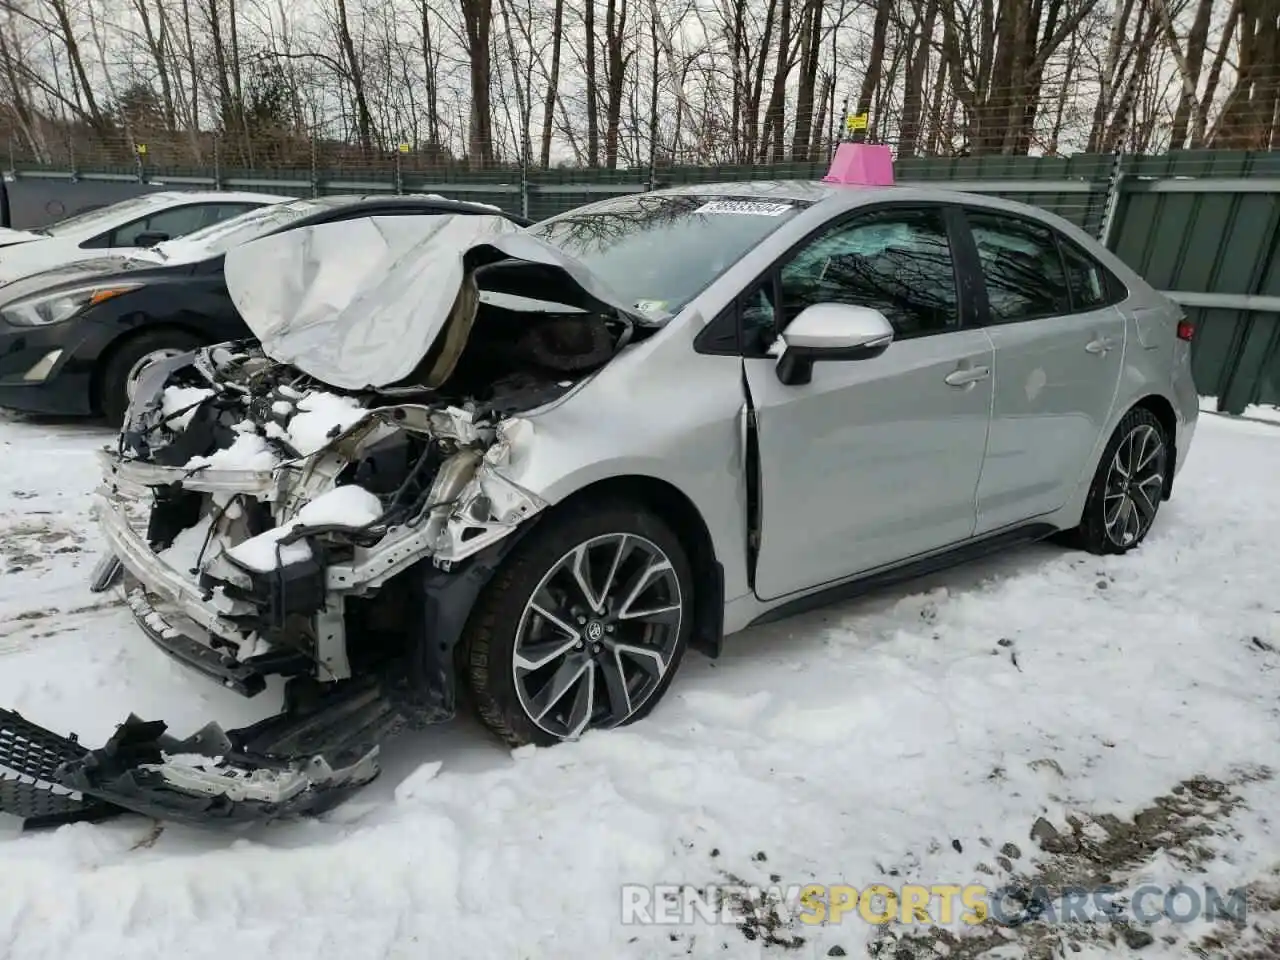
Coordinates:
[861,164]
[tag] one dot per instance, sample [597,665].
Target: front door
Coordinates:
[1060,344]
[876,460]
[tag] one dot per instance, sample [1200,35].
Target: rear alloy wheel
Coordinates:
[583,629]
[1128,487]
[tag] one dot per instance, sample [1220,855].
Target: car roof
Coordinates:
[835,197]
[215,196]
[424,201]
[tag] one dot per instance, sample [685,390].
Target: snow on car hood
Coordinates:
[358,304]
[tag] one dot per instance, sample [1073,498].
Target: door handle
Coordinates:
[967,375]
[1100,345]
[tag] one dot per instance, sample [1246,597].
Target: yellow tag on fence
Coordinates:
[857,121]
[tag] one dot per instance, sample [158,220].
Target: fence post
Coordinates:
[1115,186]
[315,172]
[524,184]
[397,173]
[217,162]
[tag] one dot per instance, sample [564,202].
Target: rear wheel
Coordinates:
[1127,488]
[583,628]
[120,375]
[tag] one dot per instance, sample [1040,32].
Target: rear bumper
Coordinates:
[1186,403]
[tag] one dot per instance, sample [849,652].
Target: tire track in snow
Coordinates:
[23,630]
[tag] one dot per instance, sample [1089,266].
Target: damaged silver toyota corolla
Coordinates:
[538,465]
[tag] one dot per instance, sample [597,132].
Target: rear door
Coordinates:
[1059,348]
[875,460]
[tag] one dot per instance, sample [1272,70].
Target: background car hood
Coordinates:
[357,304]
[9,237]
[100,270]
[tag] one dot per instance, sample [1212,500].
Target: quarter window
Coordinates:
[1090,284]
[895,260]
[1021,266]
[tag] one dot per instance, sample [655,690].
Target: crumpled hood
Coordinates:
[9,237]
[358,304]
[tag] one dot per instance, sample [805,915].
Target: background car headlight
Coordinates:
[57,307]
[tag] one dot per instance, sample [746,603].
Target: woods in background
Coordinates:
[627,83]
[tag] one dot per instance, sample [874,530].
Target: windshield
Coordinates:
[93,219]
[216,239]
[659,251]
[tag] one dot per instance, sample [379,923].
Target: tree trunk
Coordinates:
[616,62]
[810,48]
[593,102]
[477,19]
[875,59]
[553,82]
[775,116]
[1197,41]
[913,97]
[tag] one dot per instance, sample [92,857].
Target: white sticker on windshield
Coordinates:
[755,208]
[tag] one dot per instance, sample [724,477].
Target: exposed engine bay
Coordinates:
[292,503]
[265,523]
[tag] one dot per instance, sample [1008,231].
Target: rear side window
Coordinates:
[1021,266]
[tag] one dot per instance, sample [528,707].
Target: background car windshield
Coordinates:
[658,252]
[90,220]
[218,238]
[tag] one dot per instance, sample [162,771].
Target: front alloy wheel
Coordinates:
[583,627]
[598,634]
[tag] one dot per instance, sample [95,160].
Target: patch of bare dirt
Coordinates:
[28,542]
[1089,853]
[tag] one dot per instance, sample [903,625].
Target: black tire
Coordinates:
[113,390]
[1103,501]
[490,637]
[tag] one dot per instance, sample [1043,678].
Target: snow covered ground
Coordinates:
[1254,411]
[919,736]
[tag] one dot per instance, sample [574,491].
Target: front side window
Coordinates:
[659,251]
[1021,267]
[897,261]
[174,222]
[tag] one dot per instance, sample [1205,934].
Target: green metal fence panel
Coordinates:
[1208,222]
[1201,222]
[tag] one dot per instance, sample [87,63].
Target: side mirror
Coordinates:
[831,331]
[150,239]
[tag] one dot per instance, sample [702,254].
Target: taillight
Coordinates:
[1186,329]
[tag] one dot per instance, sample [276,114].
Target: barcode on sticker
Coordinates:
[751,207]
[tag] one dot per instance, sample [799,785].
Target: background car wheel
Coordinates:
[1127,488]
[582,628]
[126,364]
